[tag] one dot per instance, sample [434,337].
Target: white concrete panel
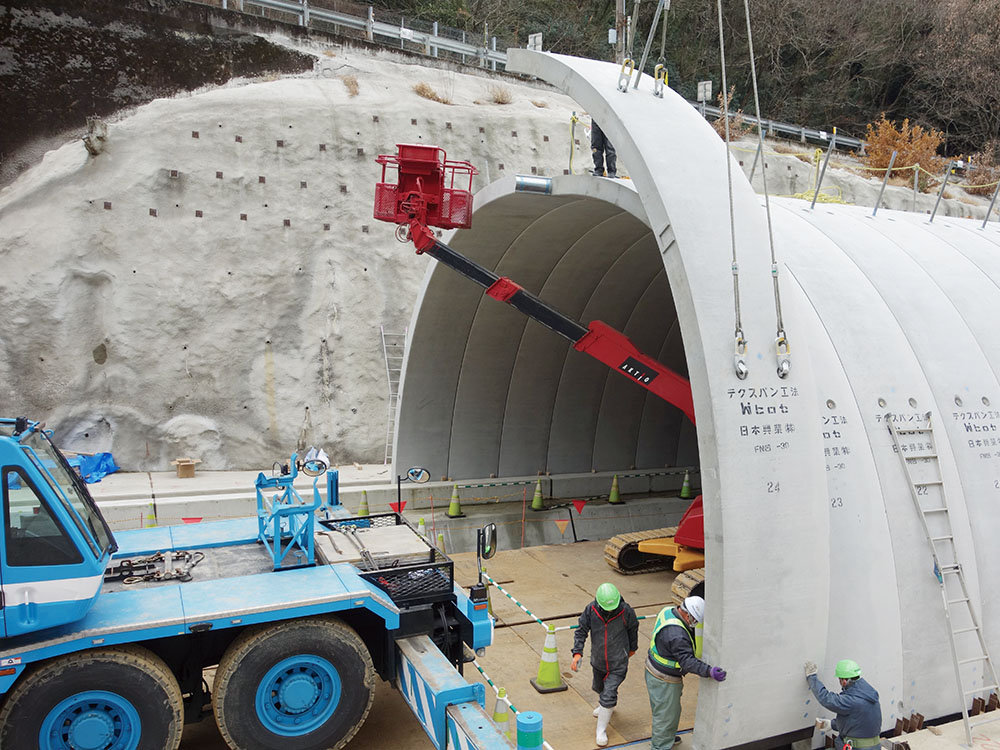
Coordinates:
[814,549]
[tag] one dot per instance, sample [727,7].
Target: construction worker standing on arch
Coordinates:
[614,631]
[674,651]
[859,716]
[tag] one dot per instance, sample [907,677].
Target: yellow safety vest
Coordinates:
[667,617]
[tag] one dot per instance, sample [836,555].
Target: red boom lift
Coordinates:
[433,191]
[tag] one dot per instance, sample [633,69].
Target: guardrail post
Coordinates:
[305,12]
[493,61]
[947,174]
[916,186]
[434,49]
[463,42]
[370,25]
[822,172]
[885,180]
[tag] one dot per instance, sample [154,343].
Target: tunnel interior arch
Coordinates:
[488,392]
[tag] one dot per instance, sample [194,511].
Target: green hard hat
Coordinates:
[848,669]
[608,596]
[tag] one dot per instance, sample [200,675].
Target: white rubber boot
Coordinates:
[596,711]
[603,718]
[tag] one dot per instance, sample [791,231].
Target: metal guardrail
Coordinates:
[305,12]
[772,127]
[431,42]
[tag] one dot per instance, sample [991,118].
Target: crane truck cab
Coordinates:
[103,641]
[55,544]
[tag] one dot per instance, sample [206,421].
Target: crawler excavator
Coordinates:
[430,190]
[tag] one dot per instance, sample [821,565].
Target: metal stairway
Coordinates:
[917,450]
[393,348]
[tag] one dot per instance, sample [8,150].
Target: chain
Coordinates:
[168,566]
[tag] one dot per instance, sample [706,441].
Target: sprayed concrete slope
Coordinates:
[193,332]
[814,548]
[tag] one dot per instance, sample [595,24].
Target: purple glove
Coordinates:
[718,674]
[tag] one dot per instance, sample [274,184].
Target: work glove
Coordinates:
[718,674]
[822,725]
[575,666]
[631,654]
[811,668]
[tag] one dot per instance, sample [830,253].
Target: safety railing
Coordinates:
[322,14]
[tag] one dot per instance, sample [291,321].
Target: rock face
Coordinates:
[64,60]
[212,283]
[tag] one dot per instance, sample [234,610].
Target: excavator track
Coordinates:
[688,583]
[622,552]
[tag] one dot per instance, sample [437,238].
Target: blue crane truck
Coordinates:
[105,637]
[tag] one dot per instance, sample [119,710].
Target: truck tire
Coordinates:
[297,685]
[116,698]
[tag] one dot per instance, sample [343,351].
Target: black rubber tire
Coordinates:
[256,650]
[129,671]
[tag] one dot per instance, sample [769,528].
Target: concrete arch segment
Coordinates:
[678,166]
[814,549]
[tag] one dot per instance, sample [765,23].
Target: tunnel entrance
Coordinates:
[488,392]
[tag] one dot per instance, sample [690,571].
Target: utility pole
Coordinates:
[621,29]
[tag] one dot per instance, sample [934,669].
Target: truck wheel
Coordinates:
[297,685]
[120,698]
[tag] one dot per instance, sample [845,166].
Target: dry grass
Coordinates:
[500,94]
[329,53]
[427,92]
[737,127]
[784,148]
[913,145]
[539,104]
[351,84]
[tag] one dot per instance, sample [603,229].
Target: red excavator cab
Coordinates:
[691,529]
[425,190]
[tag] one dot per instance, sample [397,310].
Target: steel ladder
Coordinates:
[917,451]
[393,348]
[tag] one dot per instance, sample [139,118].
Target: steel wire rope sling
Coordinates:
[740,346]
[781,346]
[660,71]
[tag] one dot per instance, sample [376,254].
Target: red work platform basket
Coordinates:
[420,192]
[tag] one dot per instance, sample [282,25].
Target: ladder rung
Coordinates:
[914,430]
[946,537]
[928,484]
[923,455]
[984,657]
[965,630]
[976,721]
[982,689]
[934,510]
[958,601]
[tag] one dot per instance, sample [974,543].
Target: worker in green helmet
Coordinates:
[614,631]
[859,716]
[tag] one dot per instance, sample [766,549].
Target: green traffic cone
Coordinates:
[686,486]
[363,505]
[536,500]
[501,712]
[549,680]
[615,497]
[455,506]
[441,542]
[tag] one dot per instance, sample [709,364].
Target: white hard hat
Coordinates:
[695,607]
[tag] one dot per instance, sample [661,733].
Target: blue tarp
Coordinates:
[94,468]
